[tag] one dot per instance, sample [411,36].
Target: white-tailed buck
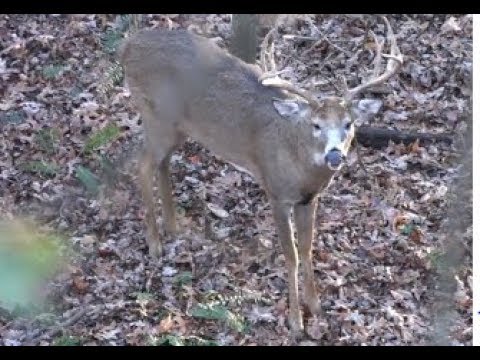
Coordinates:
[292,142]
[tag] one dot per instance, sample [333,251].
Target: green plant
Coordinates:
[113,77]
[88,179]
[170,340]
[111,40]
[67,340]
[218,312]
[183,278]
[46,140]
[46,319]
[175,340]
[40,167]
[12,117]
[110,172]
[143,296]
[28,257]
[101,138]
[198,341]
[407,229]
[52,71]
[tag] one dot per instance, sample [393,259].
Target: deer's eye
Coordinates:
[317,127]
[348,125]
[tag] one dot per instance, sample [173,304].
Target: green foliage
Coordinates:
[111,40]
[27,258]
[198,341]
[143,296]
[46,319]
[41,168]
[21,307]
[75,91]
[113,77]
[123,22]
[407,229]
[101,138]
[52,71]
[183,278]
[109,172]
[88,179]
[67,340]
[46,139]
[170,340]
[221,313]
[175,340]
[12,117]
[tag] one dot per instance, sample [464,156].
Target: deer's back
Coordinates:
[220,101]
[151,57]
[189,62]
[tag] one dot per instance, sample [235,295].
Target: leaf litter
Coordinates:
[380,239]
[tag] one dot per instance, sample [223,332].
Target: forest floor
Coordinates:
[68,157]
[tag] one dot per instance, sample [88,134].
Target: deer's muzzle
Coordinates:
[334,159]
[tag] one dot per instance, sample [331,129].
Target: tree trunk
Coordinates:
[244,39]
[376,137]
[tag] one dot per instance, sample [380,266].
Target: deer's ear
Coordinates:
[364,110]
[290,108]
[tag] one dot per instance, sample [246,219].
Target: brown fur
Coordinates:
[185,85]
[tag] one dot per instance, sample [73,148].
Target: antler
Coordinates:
[395,61]
[270,76]
[263,53]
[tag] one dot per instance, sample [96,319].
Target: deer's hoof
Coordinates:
[314,307]
[297,331]
[155,250]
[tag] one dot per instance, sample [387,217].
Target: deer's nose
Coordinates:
[334,159]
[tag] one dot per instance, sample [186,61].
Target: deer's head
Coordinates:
[331,119]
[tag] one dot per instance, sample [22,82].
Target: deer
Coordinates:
[292,141]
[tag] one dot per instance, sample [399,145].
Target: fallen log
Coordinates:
[377,137]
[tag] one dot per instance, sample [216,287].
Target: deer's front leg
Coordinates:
[304,221]
[281,214]
[146,186]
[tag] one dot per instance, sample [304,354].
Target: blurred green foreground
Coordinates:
[28,257]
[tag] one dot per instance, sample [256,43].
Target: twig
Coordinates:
[324,62]
[153,271]
[324,38]
[59,328]
[299,37]
[359,157]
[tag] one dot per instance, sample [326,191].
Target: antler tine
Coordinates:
[285,85]
[377,62]
[271,54]
[395,53]
[270,76]
[263,52]
[395,61]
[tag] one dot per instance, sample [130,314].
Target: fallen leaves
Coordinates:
[79,284]
[217,211]
[376,236]
[166,324]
